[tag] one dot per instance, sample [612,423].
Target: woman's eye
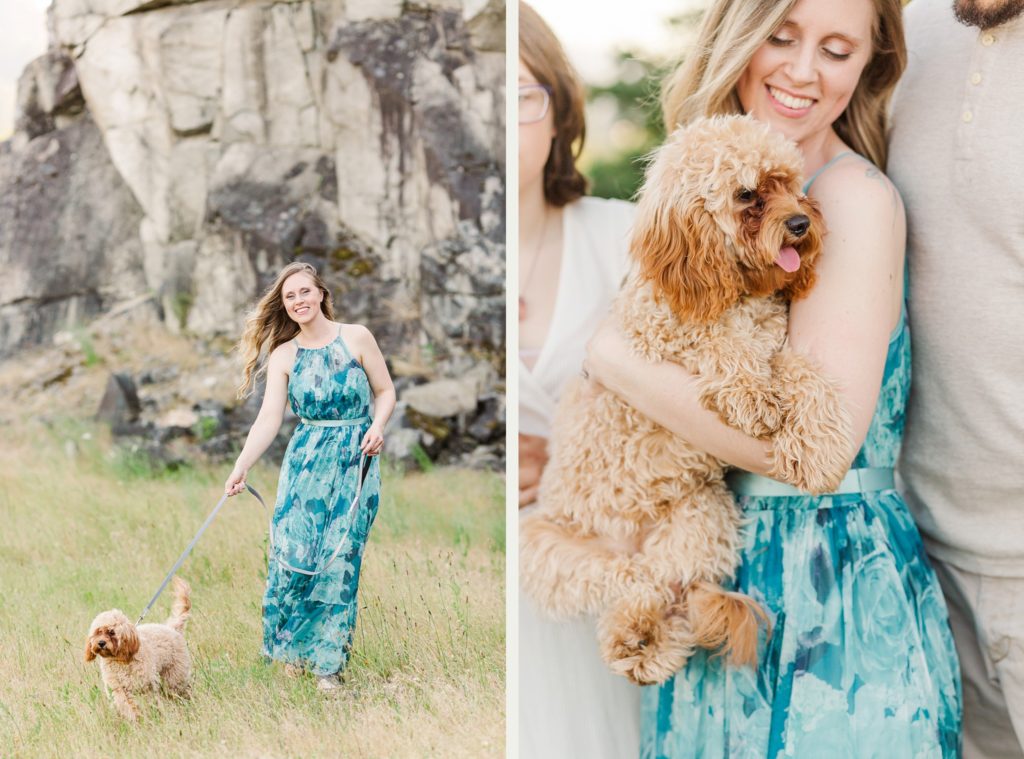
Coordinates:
[834,55]
[779,41]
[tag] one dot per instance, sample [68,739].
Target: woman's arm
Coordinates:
[843,324]
[383,389]
[268,420]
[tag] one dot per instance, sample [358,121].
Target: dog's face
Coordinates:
[722,215]
[112,636]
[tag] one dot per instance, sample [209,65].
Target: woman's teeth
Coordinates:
[789,101]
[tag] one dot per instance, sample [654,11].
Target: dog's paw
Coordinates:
[766,416]
[811,459]
[751,409]
[645,643]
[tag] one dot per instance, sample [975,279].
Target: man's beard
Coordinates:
[971,13]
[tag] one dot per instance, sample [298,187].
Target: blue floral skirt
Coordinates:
[308,620]
[859,663]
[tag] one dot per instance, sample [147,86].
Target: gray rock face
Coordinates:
[190,149]
[67,251]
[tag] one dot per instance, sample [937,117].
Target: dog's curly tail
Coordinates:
[181,606]
[726,621]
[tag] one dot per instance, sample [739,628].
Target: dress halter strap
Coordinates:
[820,171]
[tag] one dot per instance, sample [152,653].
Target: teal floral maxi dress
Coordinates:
[308,619]
[860,662]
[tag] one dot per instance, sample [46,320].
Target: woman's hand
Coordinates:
[607,354]
[235,483]
[533,457]
[373,440]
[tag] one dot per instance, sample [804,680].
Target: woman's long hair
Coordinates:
[268,325]
[733,30]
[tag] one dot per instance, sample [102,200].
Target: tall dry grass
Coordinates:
[85,528]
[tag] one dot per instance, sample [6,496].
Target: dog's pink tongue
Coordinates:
[788,259]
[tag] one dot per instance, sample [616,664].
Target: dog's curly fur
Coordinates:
[137,659]
[707,293]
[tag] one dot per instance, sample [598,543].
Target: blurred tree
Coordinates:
[631,130]
[624,118]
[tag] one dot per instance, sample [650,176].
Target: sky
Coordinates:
[22,38]
[592,32]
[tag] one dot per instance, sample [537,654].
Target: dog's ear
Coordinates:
[810,249]
[89,655]
[127,641]
[684,255]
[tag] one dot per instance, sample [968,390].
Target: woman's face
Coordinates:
[534,138]
[301,298]
[801,79]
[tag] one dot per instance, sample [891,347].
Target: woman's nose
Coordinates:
[802,68]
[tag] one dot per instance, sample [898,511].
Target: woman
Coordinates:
[859,661]
[572,258]
[328,491]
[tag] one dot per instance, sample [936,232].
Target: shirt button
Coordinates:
[976,78]
[968,116]
[988,39]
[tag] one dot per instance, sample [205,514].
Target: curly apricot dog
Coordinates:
[136,659]
[724,237]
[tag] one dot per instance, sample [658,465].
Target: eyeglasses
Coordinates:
[534,101]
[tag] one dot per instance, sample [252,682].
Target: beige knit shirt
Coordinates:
[957,156]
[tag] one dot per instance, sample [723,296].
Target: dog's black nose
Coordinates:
[798,225]
[102,644]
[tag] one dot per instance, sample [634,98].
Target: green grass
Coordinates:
[87,528]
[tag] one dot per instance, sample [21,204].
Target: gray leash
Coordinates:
[363,469]
[192,545]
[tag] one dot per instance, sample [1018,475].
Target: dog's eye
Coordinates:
[745,195]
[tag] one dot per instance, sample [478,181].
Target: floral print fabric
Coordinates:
[860,662]
[308,621]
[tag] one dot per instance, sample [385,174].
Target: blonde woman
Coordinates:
[859,661]
[572,257]
[336,380]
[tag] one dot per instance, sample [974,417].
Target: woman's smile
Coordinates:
[787,103]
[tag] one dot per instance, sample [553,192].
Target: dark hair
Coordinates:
[543,55]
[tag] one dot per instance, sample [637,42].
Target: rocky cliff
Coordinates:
[170,156]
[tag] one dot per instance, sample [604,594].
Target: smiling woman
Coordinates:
[337,382]
[837,571]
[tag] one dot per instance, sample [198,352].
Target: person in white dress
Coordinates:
[573,256]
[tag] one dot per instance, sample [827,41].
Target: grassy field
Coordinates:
[85,528]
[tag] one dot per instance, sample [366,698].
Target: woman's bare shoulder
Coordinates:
[358,337]
[853,183]
[283,356]
[860,204]
[357,331]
